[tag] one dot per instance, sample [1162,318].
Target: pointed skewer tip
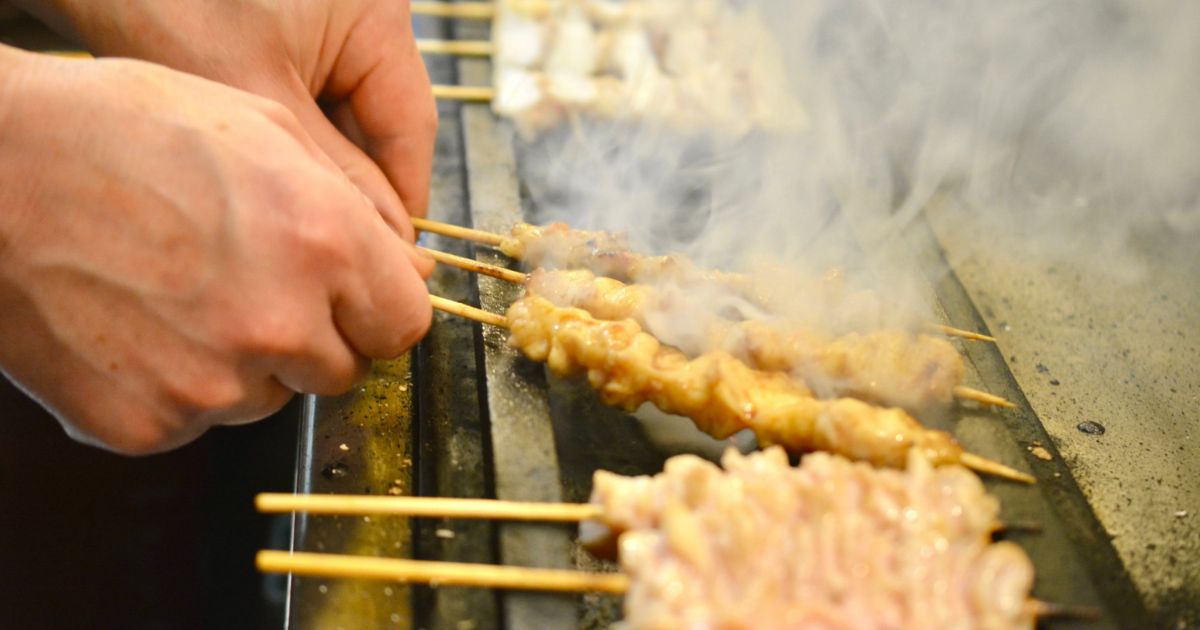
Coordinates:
[981,397]
[984,465]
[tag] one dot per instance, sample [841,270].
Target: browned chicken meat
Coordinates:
[830,544]
[558,246]
[827,301]
[891,367]
[629,367]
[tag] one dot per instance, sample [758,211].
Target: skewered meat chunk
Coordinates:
[722,395]
[558,246]
[828,544]
[894,368]
[697,65]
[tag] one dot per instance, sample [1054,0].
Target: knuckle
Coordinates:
[417,324]
[322,239]
[274,332]
[278,113]
[205,393]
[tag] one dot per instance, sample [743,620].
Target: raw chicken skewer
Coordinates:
[759,538]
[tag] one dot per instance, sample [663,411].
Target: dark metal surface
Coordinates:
[525,465]
[358,443]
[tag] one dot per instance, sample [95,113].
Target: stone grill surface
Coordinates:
[1119,510]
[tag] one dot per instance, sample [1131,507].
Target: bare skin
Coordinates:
[357,57]
[176,253]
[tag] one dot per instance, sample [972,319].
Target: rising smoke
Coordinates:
[1059,128]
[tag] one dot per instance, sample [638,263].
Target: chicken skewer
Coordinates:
[890,368]
[462,508]
[720,394]
[604,254]
[755,537]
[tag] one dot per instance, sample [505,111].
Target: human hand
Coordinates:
[176,254]
[357,56]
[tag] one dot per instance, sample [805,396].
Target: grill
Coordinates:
[1116,502]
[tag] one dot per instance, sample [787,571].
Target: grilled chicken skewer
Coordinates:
[606,254]
[720,394]
[892,368]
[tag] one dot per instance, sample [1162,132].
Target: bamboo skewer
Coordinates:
[457,231]
[951,331]
[467,93]
[470,264]
[440,573]
[506,577]
[368,505]
[463,48]
[462,10]
[974,462]
[449,507]
[516,277]
[495,240]
[984,465]
[983,398]
[467,311]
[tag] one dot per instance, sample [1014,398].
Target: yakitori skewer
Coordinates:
[461,508]
[719,393]
[697,527]
[503,242]
[504,577]
[627,307]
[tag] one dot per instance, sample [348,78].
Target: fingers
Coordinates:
[421,260]
[324,364]
[381,75]
[385,312]
[357,166]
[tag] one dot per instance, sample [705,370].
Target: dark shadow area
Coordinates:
[89,539]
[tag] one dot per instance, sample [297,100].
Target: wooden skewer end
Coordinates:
[981,397]
[469,312]
[987,466]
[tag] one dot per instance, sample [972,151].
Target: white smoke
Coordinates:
[1051,128]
